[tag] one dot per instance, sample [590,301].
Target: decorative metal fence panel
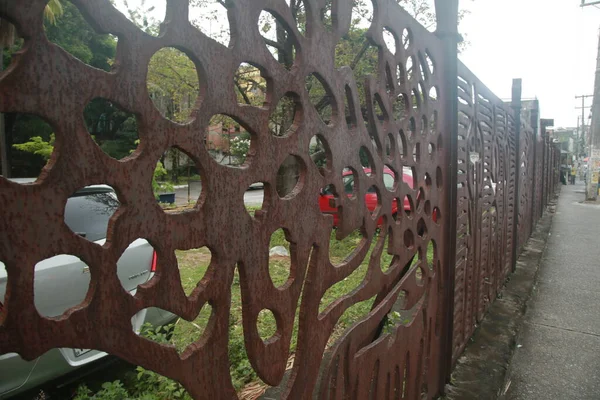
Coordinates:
[399,123]
[486,179]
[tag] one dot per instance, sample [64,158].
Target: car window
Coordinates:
[388,181]
[329,189]
[88,214]
[349,184]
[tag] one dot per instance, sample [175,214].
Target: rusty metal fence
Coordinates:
[504,174]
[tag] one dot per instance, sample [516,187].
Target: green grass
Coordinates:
[194,263]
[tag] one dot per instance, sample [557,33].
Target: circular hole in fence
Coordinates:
[366,160]
[53,298]
[412,128]
[349,182]
[436,216]
[192,264]
[431,254]
[401,107]
[424,125]
[390,146]
[433,94]
[421,228]
[409,239]
[204,17]
[427,207]
[408,205]
[66,27]
[320,154]
[419,276]
[33,144]
[420,198]
[402,143]
[257,198]
[176,93]
[321,97]
[349,112]
[406,38]
[227,141]
[266,325]
[433,122]
[389,39]
[279,40]
[417,152]
[439,182]
[390,178]
[410,68]
[372,201]
[287,116]
[136,265]
[89,210]
[280,258]
[288,176]
[326,16]
[427,179]
[401,74]
[397,206]
[113,129]
[250,85]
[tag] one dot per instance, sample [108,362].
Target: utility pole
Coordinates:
[591,3]
[581,133]
[594,156]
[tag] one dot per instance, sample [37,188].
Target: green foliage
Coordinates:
[159,186]
[110,391]
[75,35]
[173,83]
[37,145]
[239,147]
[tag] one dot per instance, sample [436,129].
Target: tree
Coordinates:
[38,146]
[52,11]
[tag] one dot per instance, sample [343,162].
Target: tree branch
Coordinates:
[242,92]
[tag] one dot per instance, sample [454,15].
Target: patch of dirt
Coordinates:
[280,258]
[191,258]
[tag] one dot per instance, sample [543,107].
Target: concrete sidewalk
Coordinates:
[558,347]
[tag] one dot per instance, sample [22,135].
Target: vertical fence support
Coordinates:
[535,124]
[516,107]
[447,31]
[544,124]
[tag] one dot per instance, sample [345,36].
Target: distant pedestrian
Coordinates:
[573,174]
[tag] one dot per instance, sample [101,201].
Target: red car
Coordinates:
[327,200]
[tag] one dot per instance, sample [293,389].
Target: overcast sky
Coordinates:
[550,44]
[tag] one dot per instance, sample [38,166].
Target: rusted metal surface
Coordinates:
[407,361]
[486,201]
[46,81]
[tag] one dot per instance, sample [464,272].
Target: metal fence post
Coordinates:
[535,124]
[447,31]
[516,106]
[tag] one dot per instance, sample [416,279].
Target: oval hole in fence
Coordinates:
[320,154]
[268,25]
[266,325]
[287,116]
[250,85]
[176,96]
[289,177]
[389,39]
[366,160]
[321,97]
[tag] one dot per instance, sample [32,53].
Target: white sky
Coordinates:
[550,44]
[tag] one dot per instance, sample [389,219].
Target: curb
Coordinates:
[481,371]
